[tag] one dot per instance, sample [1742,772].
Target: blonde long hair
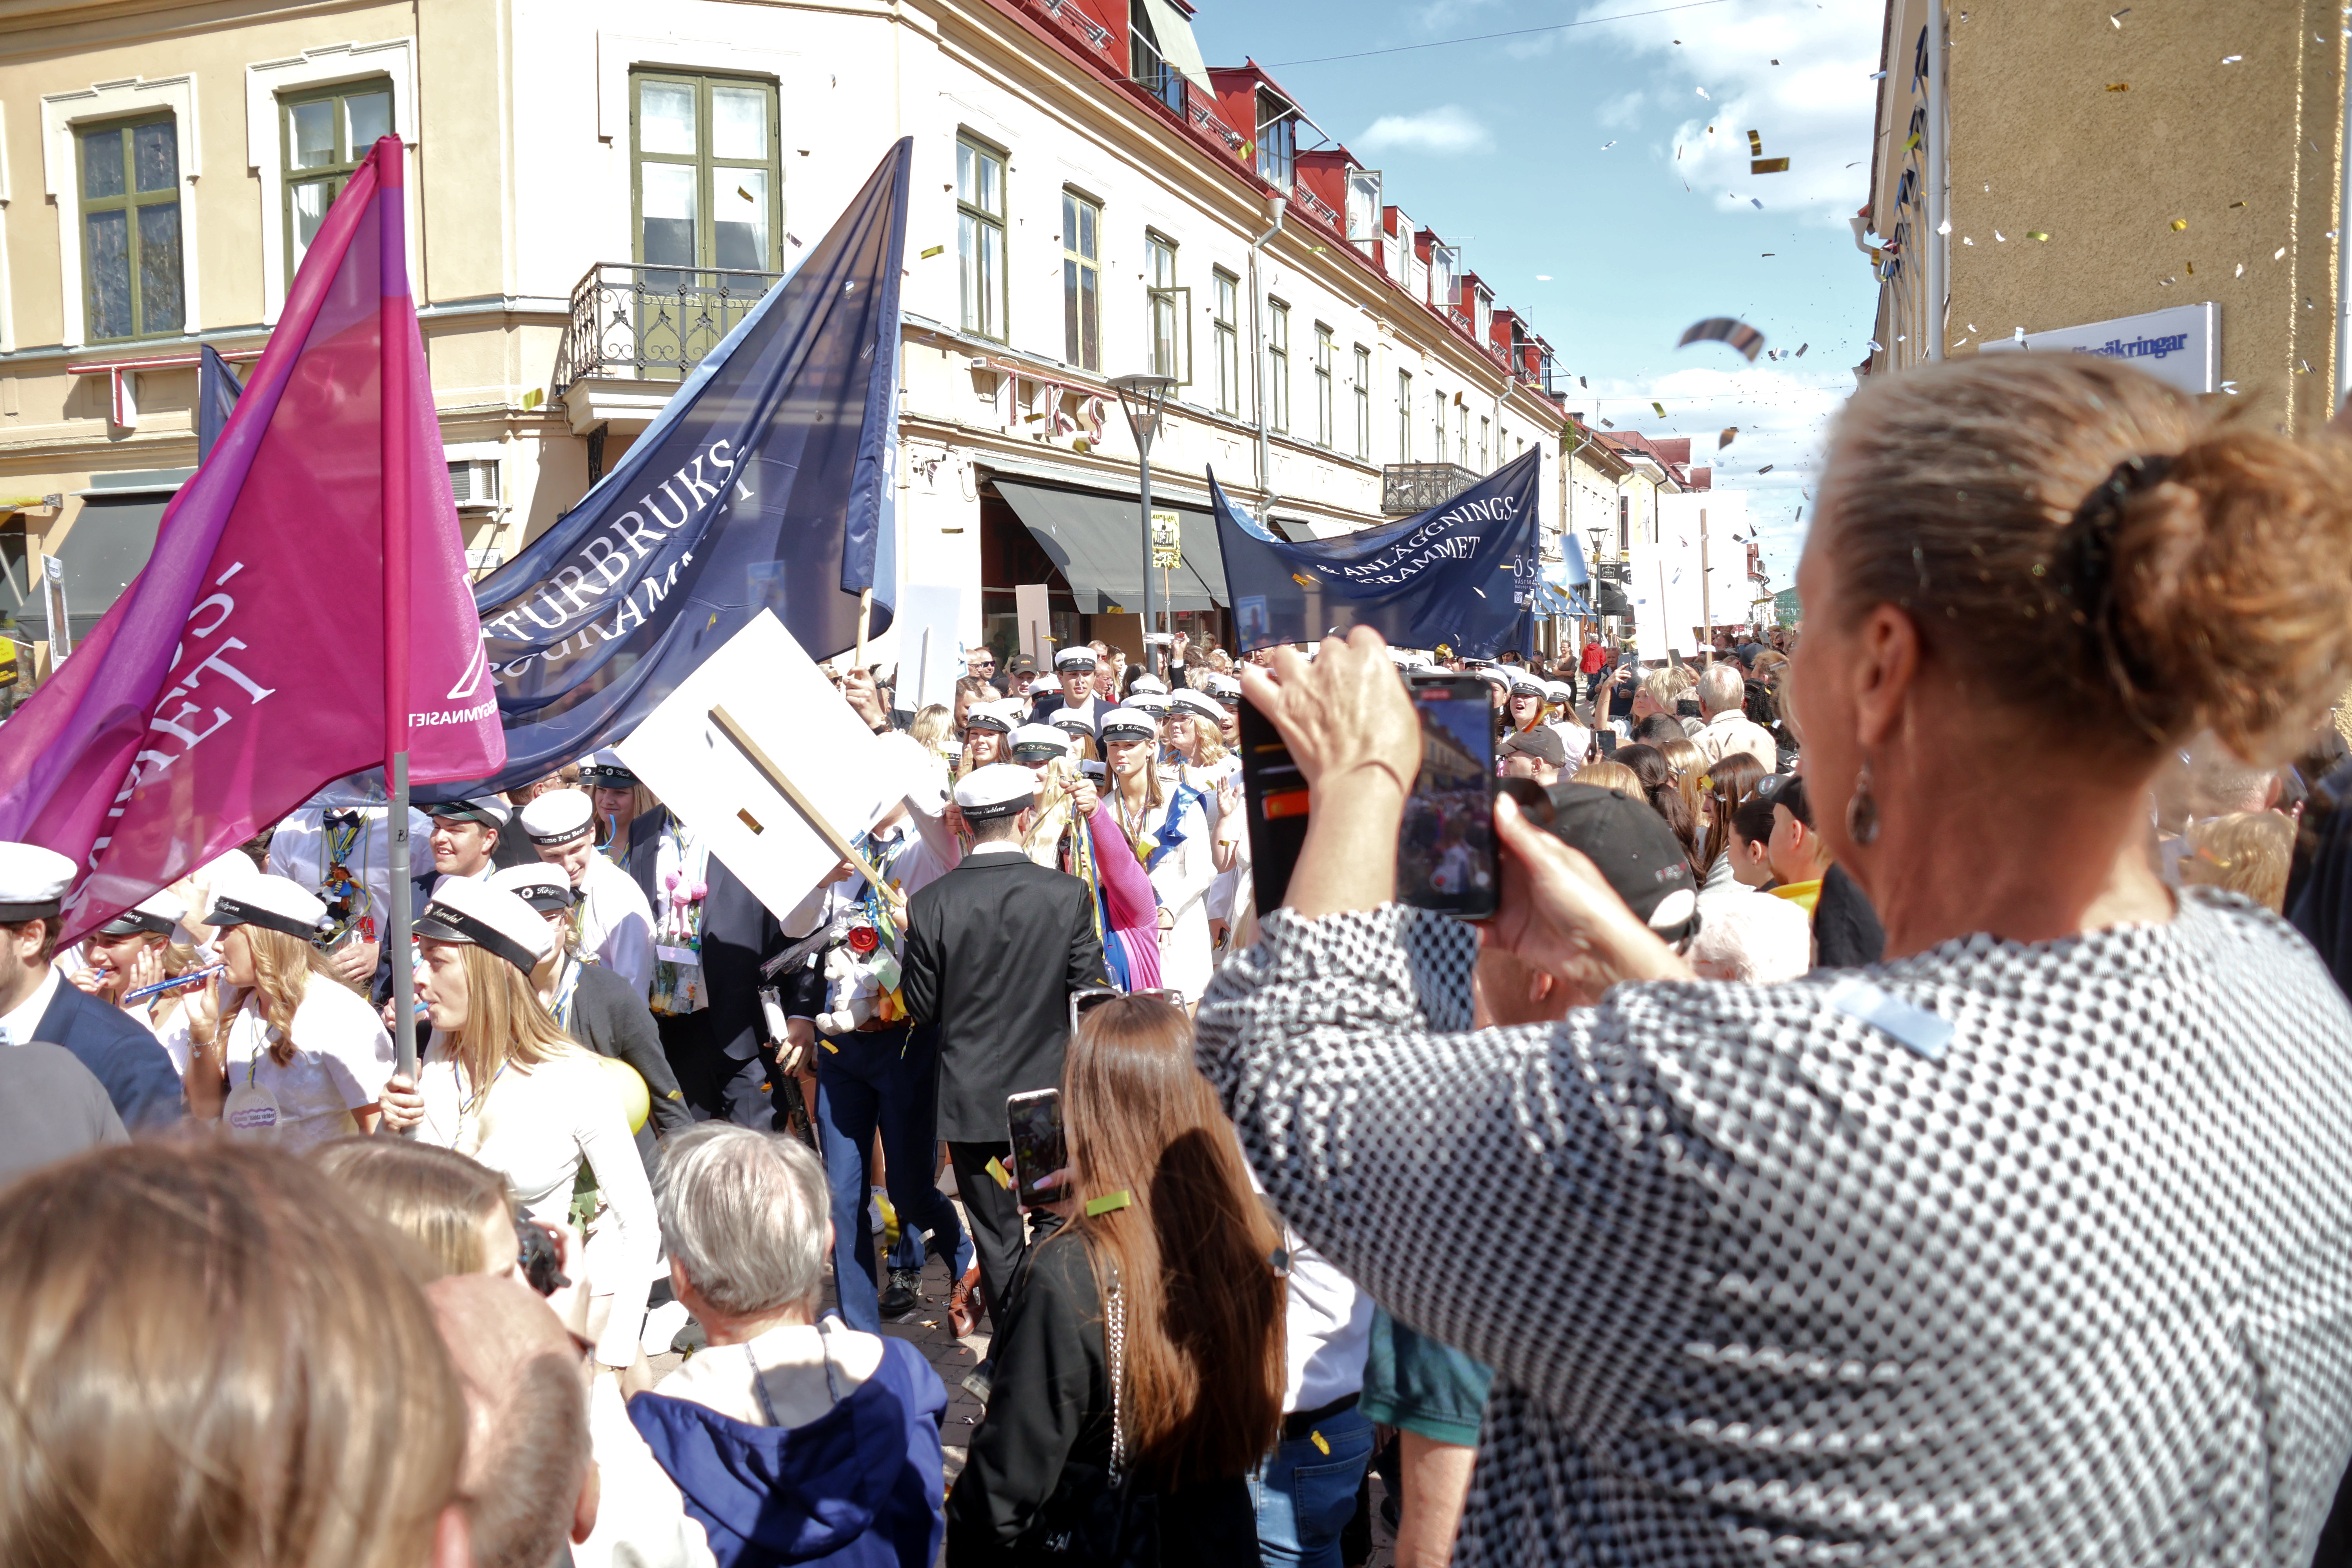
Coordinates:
[283,966]
[505,1020]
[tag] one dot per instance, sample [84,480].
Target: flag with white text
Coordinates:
[243,667]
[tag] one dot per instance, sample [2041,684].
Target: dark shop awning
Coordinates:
[1097,541]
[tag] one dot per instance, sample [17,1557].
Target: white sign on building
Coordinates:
[2181,345]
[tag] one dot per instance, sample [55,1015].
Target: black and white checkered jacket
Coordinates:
[1762,1284]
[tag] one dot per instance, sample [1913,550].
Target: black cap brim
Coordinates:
[439,922]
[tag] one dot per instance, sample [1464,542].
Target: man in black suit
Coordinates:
[37,1002]
[993,950]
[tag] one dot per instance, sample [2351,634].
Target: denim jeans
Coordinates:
[1305,1497]
[884,1079]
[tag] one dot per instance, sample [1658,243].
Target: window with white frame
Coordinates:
[1277,358]
[1322,384]
[329,131]
[1081,282]
[1404,416]
[980,236]
[1224,306]
[1363,404]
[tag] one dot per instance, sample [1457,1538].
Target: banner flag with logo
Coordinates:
[1461,576]
[764,484]
[243,666]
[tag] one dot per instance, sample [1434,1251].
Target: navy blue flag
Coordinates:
[217,390]
[1462,575]
[763,485]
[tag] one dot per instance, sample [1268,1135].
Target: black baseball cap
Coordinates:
[1542,743]
[1629,842]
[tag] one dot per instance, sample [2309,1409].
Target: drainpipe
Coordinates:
[1935,168]
[1274,207]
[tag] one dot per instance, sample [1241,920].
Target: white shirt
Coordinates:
[298,851]
[342,1054]
[1732,731]
[534,1126]
[17,1028]
[790,1361]
[1327,1327]
[617,924]
[641,1518]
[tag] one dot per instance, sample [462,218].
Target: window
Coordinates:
[1404,416]
[980,236]
[1277,366]
[1363,404]
[1437,424]
[1624,524]
[1484,426]
[1229,357]
[1171,311]
[1278,142]
[1363,212]
[1461,441]
[1322,384]
[130,228]
[329,130]
[1081,282]
[707,179]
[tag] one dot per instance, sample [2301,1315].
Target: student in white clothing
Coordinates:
[504,1086]
[615,923]
[283,1052]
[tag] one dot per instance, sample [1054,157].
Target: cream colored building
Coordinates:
[2104,164]
[597,191]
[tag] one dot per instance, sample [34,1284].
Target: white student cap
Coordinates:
[490,810]
[1078,658]
[606,768]
[998,790]
[493,918]
[158,912]
[1044,740]
[543,887]
[1148,683]
[558,816]
[1129,724]
[1000,715]
[274,903]
[33,882]
[1152,702]
[1200,704]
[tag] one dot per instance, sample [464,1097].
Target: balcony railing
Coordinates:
[654,323]
[1316,207]
[1409,487]
[1066,13]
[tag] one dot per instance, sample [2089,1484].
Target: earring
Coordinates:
[1862,809]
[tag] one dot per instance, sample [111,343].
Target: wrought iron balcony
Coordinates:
[1077,21]
[1409,487]
[653,324]
[1306,201]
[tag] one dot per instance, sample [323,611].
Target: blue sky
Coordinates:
[1576,169]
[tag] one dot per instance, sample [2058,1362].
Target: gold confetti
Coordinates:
[2192,269]
[2119,87]
[934,250]
[2178,224]
[1755,144]
[2042,234]
[1768,167]
[1660,408]
[1730,433]
[995,1167]
[1318,1437]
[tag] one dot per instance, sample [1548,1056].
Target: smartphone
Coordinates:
[1038,1147]
[1276,793]
[1605,738]
[1446,849]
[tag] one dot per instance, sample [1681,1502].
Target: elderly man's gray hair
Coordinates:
[1721,689]
[743,1214]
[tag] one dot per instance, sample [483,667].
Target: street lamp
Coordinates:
[1144,397]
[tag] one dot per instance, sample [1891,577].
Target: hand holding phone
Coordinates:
[1039,1148]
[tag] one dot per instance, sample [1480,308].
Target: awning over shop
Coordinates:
[1610,601]
[1550,601]
[1097,541]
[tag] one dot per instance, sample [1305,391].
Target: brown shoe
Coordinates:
[965,1303]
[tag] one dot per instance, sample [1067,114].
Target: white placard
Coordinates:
[771,687]
[929,619]
[1030,609]
[2181,345]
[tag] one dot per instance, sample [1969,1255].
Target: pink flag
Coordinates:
[246,667]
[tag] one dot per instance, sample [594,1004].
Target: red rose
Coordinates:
[863,940]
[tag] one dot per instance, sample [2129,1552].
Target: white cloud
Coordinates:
[1445,131]
[1814,108]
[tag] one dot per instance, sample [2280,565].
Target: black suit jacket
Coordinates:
[993,950]
[135,1069]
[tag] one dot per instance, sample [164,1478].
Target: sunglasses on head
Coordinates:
[1085,1001]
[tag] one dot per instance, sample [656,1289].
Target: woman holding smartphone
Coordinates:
[1140,1361]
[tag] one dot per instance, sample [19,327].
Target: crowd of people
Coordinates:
[1886,1117]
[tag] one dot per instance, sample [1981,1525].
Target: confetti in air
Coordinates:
[1730,433]
[1765,469]
[1729,329]
[1660,408]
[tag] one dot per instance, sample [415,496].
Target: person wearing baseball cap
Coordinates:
[280,1053]
[501,1082]
[35,1004]
[993,951]
[615,922]
[1535,754]
[595,1007]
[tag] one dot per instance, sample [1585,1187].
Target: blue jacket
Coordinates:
[862,1485]
[135,1069]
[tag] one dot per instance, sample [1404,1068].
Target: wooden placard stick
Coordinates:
[728,727]
[865,617]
